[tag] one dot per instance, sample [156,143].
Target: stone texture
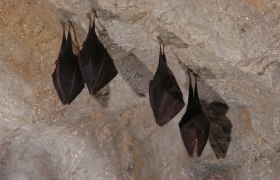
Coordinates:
[233,45]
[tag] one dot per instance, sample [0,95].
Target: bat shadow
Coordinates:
[215,109]
[133,71]
[220,126]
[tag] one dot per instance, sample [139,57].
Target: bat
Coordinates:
[194,126]
[67,77]
[165,95]
[96,65]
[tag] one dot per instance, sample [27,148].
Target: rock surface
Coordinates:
[233,45]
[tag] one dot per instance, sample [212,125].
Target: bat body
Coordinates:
[67,77]
[194,126]
[164,92]
[96,65]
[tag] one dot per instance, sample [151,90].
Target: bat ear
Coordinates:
[91,26]
[90,21]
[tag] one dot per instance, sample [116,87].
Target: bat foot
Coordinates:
[93,10]
[92,15]
[161,45]
[189,70]
[195,75]
[89,16]
[70,23]
[63,24]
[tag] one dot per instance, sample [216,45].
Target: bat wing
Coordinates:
[198,116]
[189,134]
[200,120]
[96,65]
[67,78]
[202,126]
[165,102]
[194,136]
[165,95]
[202,137]
[188,115]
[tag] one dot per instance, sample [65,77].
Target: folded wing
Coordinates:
[164,92]
[67,78]
[96,65]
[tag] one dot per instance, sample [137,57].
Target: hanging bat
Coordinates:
[165,95]
[96,65]
[67,77]
[194,126]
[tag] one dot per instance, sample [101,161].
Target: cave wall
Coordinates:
[232,45]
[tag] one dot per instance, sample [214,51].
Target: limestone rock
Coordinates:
[233,45]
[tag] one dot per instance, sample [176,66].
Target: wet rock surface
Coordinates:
[233,46]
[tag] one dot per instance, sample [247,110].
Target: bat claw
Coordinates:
[63,24]
[189,70]
[189,73]
[161,45]
[70,23]
[92,15]
[76,43]
[195,75]
[89,16]
[94,12]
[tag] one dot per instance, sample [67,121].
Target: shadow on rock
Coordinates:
[133,71]
[102,96]
[220,127]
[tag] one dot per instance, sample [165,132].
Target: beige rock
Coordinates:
[233,45]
